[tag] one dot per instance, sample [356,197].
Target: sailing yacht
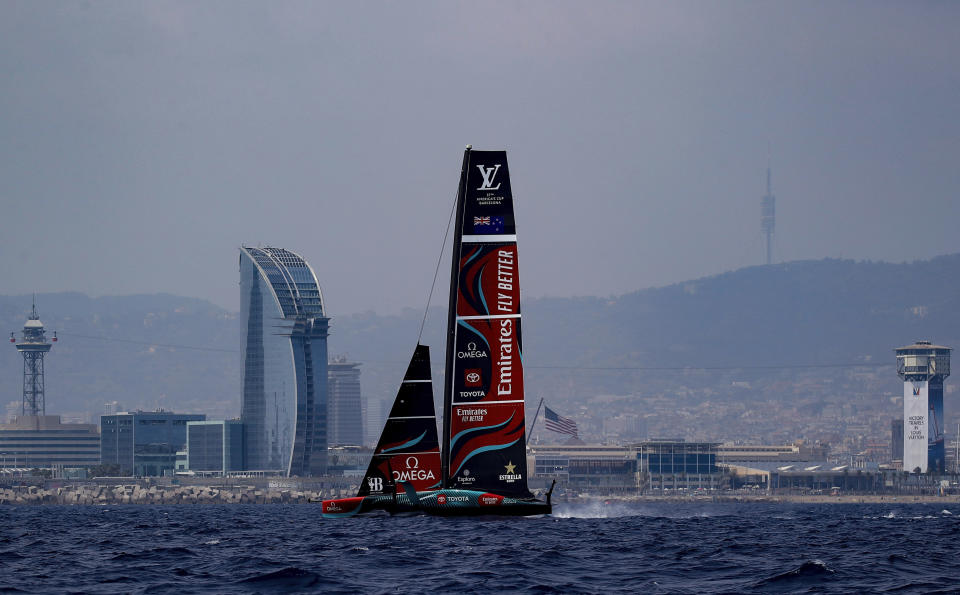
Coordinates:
[479,465]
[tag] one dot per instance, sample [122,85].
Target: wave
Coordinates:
[810,570]
[600,546]
[287,578]
[153,554]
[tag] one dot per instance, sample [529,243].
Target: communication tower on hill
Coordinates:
[767,217]
[923,367]
[34,346]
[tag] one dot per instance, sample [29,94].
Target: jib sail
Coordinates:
[484,429]
[408,449]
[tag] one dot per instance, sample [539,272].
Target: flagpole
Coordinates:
[530,433]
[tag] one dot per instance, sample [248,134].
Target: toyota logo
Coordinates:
[473,377]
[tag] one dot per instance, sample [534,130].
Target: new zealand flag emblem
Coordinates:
[488,225]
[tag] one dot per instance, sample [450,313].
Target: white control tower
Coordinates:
[923,367]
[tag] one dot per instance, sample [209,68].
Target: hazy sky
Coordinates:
[142,143]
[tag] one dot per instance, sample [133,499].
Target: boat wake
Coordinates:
[598,509]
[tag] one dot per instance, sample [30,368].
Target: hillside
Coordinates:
[182,353]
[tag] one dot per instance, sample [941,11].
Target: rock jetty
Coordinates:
[155,494]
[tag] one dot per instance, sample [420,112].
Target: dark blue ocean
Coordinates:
[590,548]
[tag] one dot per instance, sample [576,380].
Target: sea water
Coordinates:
[589,548]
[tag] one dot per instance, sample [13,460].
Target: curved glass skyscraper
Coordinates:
[284,373]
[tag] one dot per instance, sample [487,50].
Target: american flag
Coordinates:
[558,423]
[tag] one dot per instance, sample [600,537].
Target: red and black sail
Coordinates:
[408,450]
[484,428]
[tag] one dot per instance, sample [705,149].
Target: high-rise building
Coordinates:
[375,413]
[896,439]
[923,367]
[144,443]
[215,446]
[284,365]
[344,413]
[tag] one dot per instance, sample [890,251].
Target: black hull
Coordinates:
[443,503]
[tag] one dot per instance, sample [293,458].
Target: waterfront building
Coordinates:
[214,446]
[776,453]
[349,461]
[284,363]
[344,412]
[923,367]
[42,441]
[809,477]
[144,443]
[585,467]
[677,465]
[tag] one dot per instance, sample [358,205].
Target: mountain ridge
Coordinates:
[175,352]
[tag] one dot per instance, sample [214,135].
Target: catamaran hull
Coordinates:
[437,503]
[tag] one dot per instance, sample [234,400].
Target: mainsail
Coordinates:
[408,450]
[483,422]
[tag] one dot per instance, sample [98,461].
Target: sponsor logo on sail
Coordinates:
[471,352]
[489,174]
[471,377]
[375,483]
[505,361]
[413,472]
[465,477]
[468,415]
[510,476]
[505,280]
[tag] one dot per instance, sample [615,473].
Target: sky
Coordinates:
[142,143]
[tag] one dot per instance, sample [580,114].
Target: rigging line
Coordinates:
[436,271]
[151,343]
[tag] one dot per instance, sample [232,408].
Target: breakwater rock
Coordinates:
[154,494]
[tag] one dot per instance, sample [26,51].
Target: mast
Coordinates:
[452,319]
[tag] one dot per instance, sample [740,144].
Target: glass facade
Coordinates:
[689,458]
[345,411]
[284,367]
[215,446]
[144,443]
